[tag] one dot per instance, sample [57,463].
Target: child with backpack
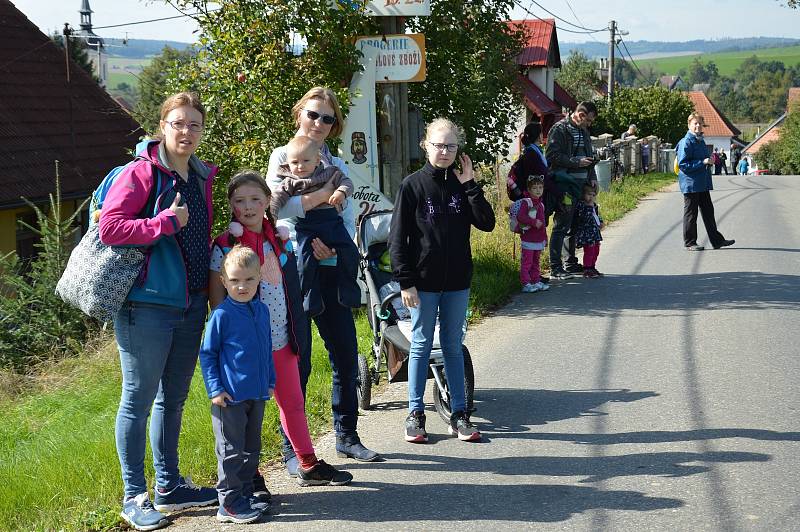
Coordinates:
[530,223]
[587,228]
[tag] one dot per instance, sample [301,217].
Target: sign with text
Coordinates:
[397,8]
[400,58]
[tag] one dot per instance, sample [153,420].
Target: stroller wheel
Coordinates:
[441,398]
[364,384]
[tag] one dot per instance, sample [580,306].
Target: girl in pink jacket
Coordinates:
[534,235]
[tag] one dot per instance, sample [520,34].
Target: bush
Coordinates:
[35,324]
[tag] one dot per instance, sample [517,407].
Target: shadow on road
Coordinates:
[685,293]
[382,502]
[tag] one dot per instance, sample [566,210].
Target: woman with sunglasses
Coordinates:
[158,328]
[434,212]
[319,116]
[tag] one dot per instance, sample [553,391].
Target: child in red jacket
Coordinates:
[534,236]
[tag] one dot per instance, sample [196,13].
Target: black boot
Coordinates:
[349,446]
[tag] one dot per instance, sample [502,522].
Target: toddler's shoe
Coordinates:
[139,513]
[258,504]
[541,286]
[528,288]
[590,273]
[240,513]
[322,474]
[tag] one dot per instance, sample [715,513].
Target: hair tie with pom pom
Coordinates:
[236,229]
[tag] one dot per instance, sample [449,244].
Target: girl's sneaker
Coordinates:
[528,288]
[322,474]
[591,273]
[541,286]
[139,513]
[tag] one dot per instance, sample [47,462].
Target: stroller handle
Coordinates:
[384,313]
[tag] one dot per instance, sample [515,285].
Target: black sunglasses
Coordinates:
[326,119]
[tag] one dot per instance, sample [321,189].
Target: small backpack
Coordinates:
[100,193]
[513,211]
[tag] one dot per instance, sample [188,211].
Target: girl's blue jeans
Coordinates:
[158,347]
[452,310]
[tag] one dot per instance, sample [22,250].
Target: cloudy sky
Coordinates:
[657,20]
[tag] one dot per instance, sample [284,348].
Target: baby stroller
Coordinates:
[390,322]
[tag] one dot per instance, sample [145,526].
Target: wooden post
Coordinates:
[392,105]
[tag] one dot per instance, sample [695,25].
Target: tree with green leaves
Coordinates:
[78,52]
[578,76]
[768,94]
[154,85]
[471,72]
[654,110]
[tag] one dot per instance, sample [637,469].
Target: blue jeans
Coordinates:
[158,347]
[452,309]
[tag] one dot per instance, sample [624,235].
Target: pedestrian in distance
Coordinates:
[239,374]
[630,132]
[588,225]
[431,258]
[645,147]
[736,156]
[743,166]
[571,161]
[253,226]
[318,116]
[530,218]
[723,160]
[694,178]
[158,328]
[716,161]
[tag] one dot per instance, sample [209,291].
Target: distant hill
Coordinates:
[727,62]
[141,48]
[638,48]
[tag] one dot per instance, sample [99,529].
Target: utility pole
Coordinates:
[67,34]
[612,42]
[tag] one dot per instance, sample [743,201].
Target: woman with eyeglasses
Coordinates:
[431,256]
[161,200]
[318,116]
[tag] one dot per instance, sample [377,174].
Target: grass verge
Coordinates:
[58,462]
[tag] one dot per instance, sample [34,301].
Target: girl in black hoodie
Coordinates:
[432,260]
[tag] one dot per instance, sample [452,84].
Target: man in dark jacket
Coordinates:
[571,160]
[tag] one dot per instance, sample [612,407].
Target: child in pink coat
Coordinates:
[534,236]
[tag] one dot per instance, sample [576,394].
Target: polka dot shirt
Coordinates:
[193,237]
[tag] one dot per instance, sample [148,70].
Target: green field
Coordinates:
[124,70]
[727,62]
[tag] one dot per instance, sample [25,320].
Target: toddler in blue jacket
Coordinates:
[236,361]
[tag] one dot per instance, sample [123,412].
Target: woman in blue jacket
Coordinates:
[694,177]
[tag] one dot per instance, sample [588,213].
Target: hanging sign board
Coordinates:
[399,58]
[399,8]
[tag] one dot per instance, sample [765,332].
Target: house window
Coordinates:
[27,250]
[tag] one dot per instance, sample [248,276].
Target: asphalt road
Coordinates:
[661,397]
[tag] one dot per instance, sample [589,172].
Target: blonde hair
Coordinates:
[696,116]
[241,256]
[181,99]
[302,143]
[323,94]
[445,124]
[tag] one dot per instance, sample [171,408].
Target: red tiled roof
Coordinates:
[716,123]
[540,43]
[563,98]
[794,99]
[535,99]
[40,115]
[773,132]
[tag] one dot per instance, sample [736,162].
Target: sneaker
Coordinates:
[573,267]
[322,474]
[349,445]
[528,288]
[260,490]
[460,426]
[184,495]
[597,273]
[139,513]
[540,286]
[240,513]
[560,274]
[590,273]
[415,422]
[258,504]
[694,247]
[725,243]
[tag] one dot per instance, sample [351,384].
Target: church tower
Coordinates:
[95,43]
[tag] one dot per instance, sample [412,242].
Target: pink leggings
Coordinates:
[590,253]
[529,266]
[291,405]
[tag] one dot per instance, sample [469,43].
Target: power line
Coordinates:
[563,20]
[579,20]
[148,21]
[528,11]
[644,78]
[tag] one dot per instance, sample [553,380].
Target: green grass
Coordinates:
[58,463]
[727,62]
